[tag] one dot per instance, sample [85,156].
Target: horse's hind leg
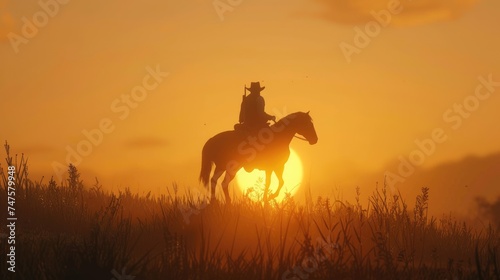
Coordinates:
[213,182]
[268,183]
[225,184]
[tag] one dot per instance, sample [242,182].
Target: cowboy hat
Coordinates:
[255,87]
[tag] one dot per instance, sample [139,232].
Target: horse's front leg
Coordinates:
[279,173]
[269,173]
[225,184]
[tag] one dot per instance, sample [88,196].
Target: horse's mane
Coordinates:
[300,116]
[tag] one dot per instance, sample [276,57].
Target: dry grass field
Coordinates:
[76,230]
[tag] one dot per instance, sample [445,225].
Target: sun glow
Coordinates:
[252,184]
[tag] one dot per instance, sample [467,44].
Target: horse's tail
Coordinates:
[206,165]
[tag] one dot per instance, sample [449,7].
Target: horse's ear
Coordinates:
[308,112]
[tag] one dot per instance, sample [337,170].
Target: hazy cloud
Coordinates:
[147,142]
[414,12]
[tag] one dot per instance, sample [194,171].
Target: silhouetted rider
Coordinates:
[252,113]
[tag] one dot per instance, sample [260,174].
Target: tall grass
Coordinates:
[74,231]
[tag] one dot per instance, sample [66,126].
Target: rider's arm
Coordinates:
[261,104]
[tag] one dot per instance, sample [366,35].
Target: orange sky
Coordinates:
[367,112]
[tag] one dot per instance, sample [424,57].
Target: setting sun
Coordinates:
[252,183]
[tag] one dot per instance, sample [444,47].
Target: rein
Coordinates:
[301,138]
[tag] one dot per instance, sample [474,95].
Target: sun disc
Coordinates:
[252,183]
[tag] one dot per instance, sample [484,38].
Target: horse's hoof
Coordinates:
[273,196]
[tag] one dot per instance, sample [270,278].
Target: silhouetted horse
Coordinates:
[267,149]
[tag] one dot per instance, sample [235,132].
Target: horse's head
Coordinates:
[304,126]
